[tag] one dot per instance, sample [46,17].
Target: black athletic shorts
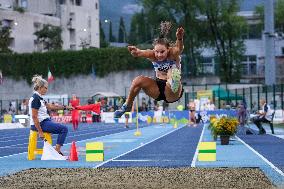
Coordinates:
[162,84]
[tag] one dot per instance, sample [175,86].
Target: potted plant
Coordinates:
[213,120]
[225,127]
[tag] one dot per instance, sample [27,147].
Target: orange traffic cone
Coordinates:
[73,152]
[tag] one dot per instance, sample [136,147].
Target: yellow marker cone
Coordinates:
[207,151]
[137,133]
[175,125]
[95,151]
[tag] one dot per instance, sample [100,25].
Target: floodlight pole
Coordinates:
[269,37]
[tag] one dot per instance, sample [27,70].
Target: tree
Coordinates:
[226,29]
[103,42]
[121,31]
[207,23]
[5,39]
[50,37]
[111,37]
[133,34]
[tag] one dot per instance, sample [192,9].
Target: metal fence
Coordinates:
[252,95]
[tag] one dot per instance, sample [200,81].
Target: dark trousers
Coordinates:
[258,120]
[55,128]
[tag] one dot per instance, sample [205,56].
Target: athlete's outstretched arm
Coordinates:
[134,51]
[178,48]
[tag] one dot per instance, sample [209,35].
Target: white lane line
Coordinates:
[142,160]
[13,155]
[262,157]
[84,130]
[101,164]
[196,151]
[134,160]
[73,136]
[70,142]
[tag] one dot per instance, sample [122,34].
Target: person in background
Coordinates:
[212,105]
[262,116]
[39,118]
[75,113]
[192,119]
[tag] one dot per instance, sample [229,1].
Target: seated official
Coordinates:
[263,116]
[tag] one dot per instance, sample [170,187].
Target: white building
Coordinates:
[253,61]
[78,19]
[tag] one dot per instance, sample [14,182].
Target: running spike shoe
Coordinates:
[175,79]
[124,108]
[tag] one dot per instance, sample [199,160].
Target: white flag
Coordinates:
[49,153]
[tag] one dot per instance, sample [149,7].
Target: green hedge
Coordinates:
[64,64]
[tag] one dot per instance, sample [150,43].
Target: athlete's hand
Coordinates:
[40,134]
[180,33]
[133,50]
[69,107]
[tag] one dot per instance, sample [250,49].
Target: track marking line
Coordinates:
[82,134]
[133,160]
[142,160]
[262,157]
[101,164]
[67,143]
[196,151]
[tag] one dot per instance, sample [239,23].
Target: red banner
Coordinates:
[68,119]
[62,119]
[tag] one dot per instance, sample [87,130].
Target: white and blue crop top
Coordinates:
[164,65]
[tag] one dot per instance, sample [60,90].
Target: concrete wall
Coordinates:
[83,86]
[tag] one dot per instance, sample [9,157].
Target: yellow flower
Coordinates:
[224,126]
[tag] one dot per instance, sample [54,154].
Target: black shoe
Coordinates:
[126,126]
[124,108]
[262,132]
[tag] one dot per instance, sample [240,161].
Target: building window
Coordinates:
[282,50]
[7,23]
[24,3]
[12,43]
[96,5]
[37,26]
[73,47]
[62,2]
[249,65]
[78,2]
[72,36]
[207,65]
[253,32]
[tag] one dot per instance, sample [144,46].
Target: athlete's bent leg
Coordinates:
[148,85]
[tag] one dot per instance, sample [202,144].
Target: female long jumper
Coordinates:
[166,62]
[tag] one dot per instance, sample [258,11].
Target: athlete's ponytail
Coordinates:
[165,28]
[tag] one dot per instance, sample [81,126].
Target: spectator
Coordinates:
[212,105]
[242,112]
[262,116]
[75,113]
[192,119]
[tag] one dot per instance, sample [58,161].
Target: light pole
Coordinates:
[270,66]
[108,21]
